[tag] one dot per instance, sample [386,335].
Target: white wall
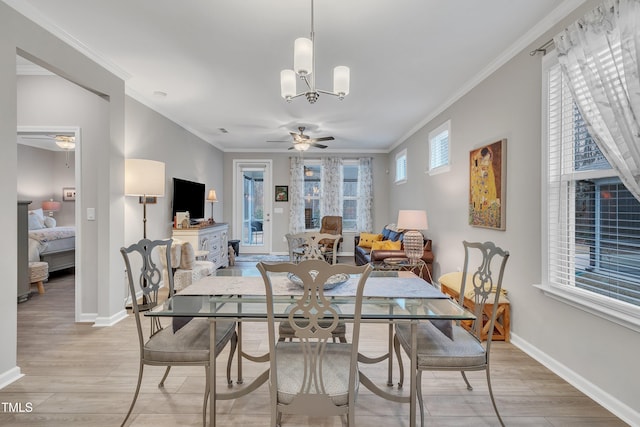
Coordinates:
[593,353]
[104,168]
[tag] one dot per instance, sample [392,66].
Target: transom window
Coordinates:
[401,167]
[439,150]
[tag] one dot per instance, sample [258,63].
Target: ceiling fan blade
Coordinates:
[323,138]
[313,144]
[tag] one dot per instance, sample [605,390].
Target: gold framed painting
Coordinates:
[487,186]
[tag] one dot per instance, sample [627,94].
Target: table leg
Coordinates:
[412,373]
[212,372]
[390,352]
[239,329]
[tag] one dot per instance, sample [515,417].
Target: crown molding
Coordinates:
[39,19]
[556,15]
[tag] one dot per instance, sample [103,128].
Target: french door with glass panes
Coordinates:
[252,205]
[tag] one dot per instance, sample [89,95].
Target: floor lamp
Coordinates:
[143,178]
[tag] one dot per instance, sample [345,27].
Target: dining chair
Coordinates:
[186,342]
[310,249]
[458,349]
[313,376]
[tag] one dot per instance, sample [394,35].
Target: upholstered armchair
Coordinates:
[331,225]
[185,268]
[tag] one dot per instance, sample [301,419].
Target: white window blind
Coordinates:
[350,195]
[401,167]
[593,230]
[439,147]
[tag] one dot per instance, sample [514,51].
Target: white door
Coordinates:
[252,205]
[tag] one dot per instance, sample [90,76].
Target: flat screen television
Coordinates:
[188,196]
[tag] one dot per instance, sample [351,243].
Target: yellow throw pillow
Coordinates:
[386,245]
[367,239]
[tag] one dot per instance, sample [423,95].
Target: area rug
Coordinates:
[265,258]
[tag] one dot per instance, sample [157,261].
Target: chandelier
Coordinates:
[304,67]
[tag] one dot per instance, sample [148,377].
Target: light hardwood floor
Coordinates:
[79,375]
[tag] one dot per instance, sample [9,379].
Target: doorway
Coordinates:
[67,213]
[252,205]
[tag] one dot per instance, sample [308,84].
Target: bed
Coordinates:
[50,243]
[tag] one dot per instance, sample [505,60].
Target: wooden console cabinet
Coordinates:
[211,238]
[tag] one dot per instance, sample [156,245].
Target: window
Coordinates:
[593,221]
[349,194]
[401,167]
[439,148]
[313,194]
[312,187]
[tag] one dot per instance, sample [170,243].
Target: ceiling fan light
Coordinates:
[303,56]
[341,78]
[65,144]
[287,84]
[301,146]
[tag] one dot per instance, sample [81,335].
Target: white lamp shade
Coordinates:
[143,178]
[341,77]
[212,196]
[303,56]
[287,83]
[412,220]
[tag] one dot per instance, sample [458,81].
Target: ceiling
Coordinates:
[219,61]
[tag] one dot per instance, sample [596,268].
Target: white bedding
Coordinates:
[53,239]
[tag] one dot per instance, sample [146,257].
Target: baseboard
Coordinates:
[86,317]
[619,409]
[110,321]
[10,376]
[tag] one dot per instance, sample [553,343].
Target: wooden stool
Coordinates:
[38,273]
[450,285]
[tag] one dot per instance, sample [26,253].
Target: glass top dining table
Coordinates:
[389,297]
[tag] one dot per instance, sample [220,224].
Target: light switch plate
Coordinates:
[91,214]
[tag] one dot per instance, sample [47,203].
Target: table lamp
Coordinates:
[143,178]
[413,240]
[213,199]
[51,206]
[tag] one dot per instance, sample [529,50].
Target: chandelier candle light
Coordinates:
[413,240]
[304,61]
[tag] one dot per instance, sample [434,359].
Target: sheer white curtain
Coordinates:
[365,194]
[599,56]
[331,203]
[296,195]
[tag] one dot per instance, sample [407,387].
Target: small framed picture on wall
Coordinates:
[282,193]
[68,194]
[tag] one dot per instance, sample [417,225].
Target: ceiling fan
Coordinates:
[302,142]
[66,142]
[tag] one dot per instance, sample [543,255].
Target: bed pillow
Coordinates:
[49,222]
[38,212]
[35,221]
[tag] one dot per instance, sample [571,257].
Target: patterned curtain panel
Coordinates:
[599,56]
[365,194]
[331,186]
[296,195]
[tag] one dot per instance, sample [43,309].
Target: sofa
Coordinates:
[375,248]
